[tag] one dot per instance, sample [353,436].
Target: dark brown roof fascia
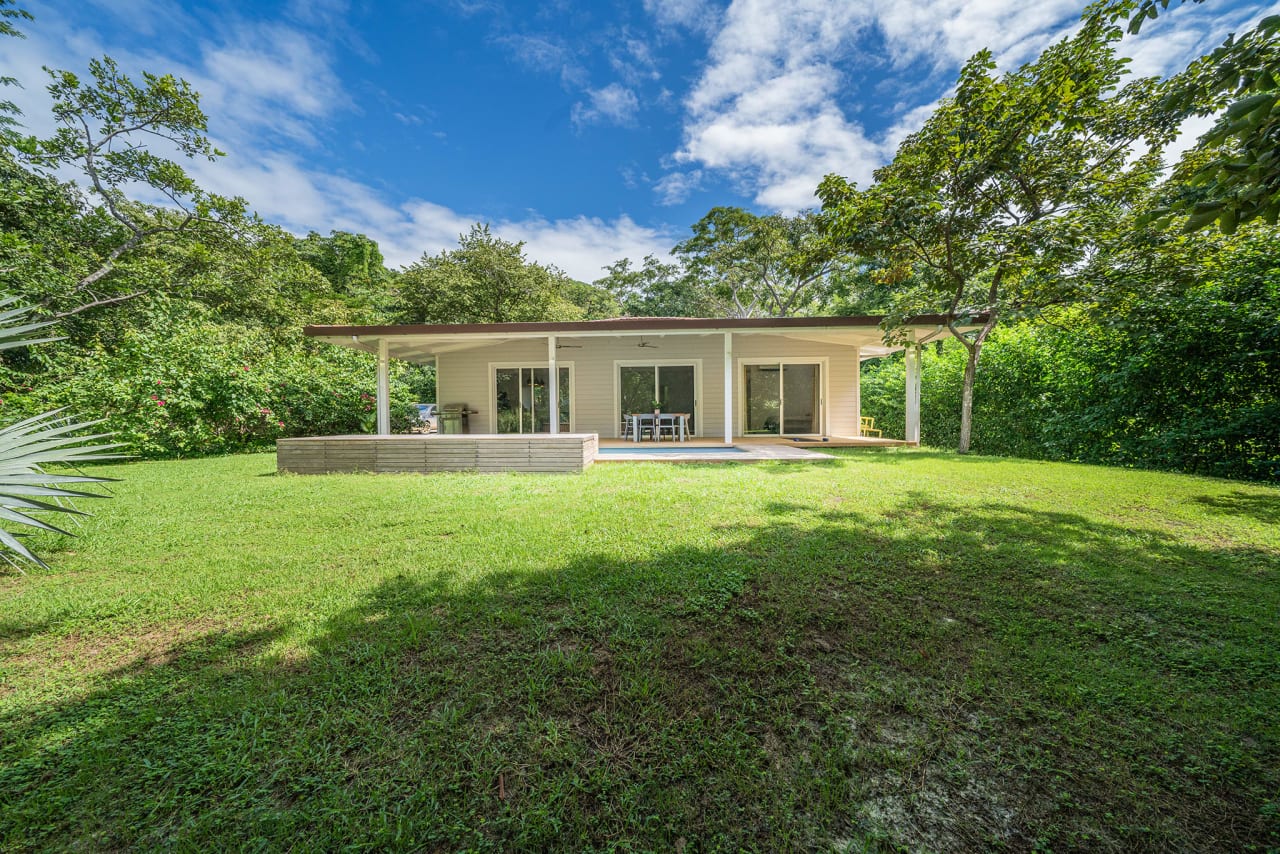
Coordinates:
[621,324]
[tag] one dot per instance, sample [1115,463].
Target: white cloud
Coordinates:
[144,16]
[319,11]
[948,33]
[581,246]
[676,187]
[615,104]
[285,191]
[584,246]
[634,62]
[696,15]
[764,111]
[266,78]
[251,77]
[1179,35]
[767,113]
[543,53]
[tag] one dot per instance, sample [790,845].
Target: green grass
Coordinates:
[897,650]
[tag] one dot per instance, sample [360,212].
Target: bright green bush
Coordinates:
[209,388]
[1012,399]
[1190,385]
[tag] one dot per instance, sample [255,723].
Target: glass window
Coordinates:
[782,399]
[507,383]
[762,391]
[671,387]
[523,401]
[800,399]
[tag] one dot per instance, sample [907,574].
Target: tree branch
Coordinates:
[96,304]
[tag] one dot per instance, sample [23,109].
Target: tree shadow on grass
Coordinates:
[940,676]
[17,629]
[1262,507]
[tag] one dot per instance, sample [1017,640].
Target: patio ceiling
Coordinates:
[423,343]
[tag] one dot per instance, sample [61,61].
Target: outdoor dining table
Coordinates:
[655,420]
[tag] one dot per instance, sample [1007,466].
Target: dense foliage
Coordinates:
[180,325]
[199,386]
[489,280]
[1186,380]
[207,354]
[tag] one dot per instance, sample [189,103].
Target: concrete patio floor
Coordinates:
[753,449]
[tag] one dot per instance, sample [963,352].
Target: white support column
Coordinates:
[857,391]
[553,385]
[728,388]
[383,401]
[913,393]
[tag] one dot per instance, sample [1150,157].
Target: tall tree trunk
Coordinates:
[966,397]
[970,375]
[975,349]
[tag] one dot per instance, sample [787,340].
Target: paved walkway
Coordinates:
[618,452]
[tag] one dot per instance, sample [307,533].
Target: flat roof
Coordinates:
[622,324]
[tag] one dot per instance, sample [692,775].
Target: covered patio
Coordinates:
[774,387]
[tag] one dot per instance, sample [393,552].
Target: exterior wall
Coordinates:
[466,376]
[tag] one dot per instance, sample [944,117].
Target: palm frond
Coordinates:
[13,334]
[27,490]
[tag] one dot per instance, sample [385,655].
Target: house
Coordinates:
[784,379]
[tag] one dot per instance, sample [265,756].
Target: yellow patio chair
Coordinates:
[869,426]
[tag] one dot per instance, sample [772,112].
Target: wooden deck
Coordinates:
[563,453]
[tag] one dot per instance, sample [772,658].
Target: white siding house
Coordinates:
[732,377]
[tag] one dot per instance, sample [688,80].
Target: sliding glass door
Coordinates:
[800,400]
[672,387]
[782,399]
[522,401]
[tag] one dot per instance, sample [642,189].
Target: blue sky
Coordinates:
[592,131]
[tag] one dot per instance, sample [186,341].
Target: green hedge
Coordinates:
[208,388]
[1197,393]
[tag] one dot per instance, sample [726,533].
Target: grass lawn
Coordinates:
[899,649]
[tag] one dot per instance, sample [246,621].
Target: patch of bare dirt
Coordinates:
[96,654]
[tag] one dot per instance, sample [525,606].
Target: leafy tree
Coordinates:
[1239,180]
[354,267]
[255,276]
[9,112]
[658,289]
[1003,189]
[771,266]
[104,127]
[47,236]
[350,262]
[859,287]
[485,280]
[188,385]
[594,301]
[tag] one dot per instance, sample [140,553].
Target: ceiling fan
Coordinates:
[643,345]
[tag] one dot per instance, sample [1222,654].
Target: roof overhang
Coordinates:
[424,342]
